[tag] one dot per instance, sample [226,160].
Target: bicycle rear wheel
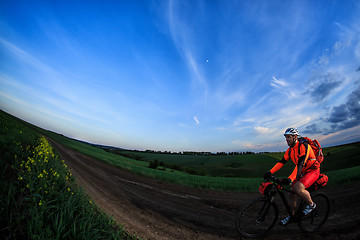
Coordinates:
[256,218]
[314,220]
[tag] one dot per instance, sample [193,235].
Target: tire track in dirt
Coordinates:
[156,210]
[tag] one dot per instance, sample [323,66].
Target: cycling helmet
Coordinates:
[292,131]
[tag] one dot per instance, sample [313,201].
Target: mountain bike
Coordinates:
[259,216]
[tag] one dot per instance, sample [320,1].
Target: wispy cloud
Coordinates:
[141,71]
[25,56]
[333,75]
[183,38]
[263,130]
[196,120]
[283,87]
[278,83]
[50,90]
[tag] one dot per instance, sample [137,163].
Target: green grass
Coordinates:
[227,173]
[217,166]
[343,176]
[245,171]
[345,156]
[38,196]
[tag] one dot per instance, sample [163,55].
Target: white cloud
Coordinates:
[25,56]
[183,38]
[277,83]
[196,120]
[262,130]
[239,121]
[283,87]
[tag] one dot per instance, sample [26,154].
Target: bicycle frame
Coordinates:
[275,190]
[259,216]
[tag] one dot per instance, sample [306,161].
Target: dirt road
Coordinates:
[156,210]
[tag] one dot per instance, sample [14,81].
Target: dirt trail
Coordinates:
[156,210]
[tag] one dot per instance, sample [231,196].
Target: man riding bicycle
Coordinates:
[305,173]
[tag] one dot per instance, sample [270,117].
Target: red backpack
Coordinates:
[316,147]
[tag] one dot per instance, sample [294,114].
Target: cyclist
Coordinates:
[305,173]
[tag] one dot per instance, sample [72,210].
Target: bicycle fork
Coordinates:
[264,210]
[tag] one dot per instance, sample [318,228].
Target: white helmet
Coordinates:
[291,131]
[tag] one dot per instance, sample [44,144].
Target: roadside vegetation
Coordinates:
[38,195]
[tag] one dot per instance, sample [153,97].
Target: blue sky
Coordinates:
[184,75]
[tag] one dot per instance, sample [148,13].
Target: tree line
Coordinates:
[194,153]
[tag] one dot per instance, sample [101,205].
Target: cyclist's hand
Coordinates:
[267,175]
[285,181]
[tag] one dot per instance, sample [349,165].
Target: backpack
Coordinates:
[321,182]
[316,147]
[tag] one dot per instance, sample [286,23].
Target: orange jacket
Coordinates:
[302,155]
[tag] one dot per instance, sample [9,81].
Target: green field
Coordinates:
[253,165]
[228,172]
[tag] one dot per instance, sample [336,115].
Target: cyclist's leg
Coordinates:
[304,182]
[300,190]
[292,202]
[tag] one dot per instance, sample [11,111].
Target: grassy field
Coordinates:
[38,196]
[213,165]
[250,165]
[228,173]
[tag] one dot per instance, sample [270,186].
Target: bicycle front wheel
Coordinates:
[314,220]
[256,218]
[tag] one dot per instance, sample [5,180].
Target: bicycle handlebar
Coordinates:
[277,182]
[274,180]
